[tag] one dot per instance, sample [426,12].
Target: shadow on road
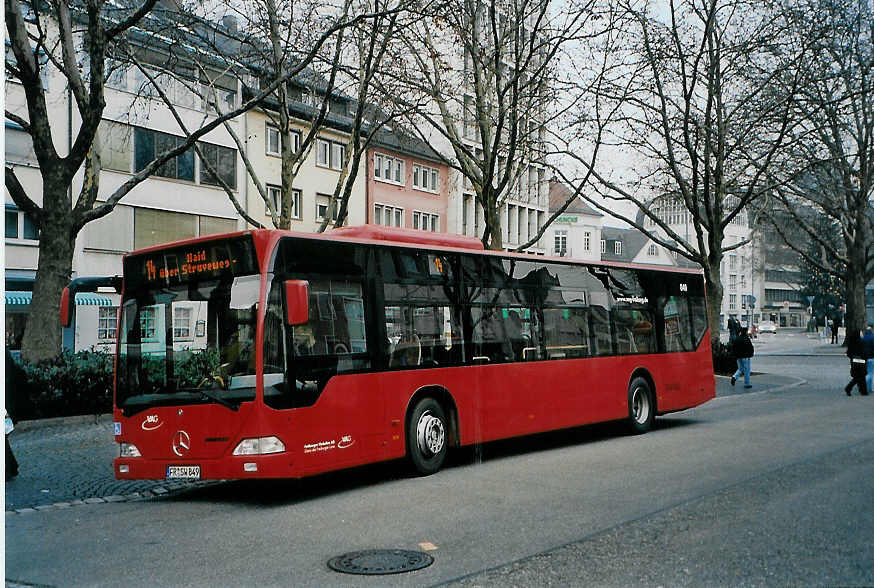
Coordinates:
[269,493]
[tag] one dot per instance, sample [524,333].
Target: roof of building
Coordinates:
[559,193]
[633,241]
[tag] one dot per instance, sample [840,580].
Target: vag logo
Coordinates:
[151,423]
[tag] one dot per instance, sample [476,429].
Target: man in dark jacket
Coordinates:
[836,324]
[743,351]
[856,353]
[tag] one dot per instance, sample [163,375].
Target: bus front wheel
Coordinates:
[641,408]
[426,436]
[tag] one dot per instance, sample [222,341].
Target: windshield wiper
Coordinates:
[209,394]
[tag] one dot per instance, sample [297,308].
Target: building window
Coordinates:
[389,169]
[147,323]
[425,221]
[617,247]
[330,154]
[560,243]
[213,225]
[19,145]
[732,261]
[603,246]
[426,178]
[106,322]
[587,241]
[390,216]
[223,160]
[653,250]
[732,281]
[732,301]
[322,203]
[148,145]
[20,226]
[115,146]
[273,141]
[182,322]
[217,98]
[275,195]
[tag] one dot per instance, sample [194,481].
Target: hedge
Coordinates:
[66,385]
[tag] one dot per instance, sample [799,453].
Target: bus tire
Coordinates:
[641,407]
[427,436]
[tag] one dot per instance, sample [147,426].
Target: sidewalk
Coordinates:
[67,462]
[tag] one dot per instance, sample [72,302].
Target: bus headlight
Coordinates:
[128,450]
[259,446]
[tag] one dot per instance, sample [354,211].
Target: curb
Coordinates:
[157,492]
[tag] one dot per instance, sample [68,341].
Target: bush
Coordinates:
[66,385]
[724,362]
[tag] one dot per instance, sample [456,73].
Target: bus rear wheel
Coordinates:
[426,436]
[641,408]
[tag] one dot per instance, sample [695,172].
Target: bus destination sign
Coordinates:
[200,261]
[195,262]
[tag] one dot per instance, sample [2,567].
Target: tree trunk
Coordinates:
[42,333]
[496,241]
[855,317]
[715,291]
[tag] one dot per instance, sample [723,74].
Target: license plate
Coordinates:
[183,472]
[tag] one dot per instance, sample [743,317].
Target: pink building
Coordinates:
[407,184]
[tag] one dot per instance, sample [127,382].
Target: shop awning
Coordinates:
[23,298]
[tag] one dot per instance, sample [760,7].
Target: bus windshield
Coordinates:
[188,339]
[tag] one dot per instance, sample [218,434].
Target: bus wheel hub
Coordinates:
[430,434]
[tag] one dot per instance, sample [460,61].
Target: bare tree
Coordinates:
[479,77]
[831,168]
[75,43]
[696,124]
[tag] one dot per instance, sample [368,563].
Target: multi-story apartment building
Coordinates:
[407,184]
[401,181]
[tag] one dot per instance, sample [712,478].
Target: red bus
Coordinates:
[275,354]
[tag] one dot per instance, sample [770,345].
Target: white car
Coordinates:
[767,327]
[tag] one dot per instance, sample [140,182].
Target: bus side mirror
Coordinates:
[297,302]
[66,308]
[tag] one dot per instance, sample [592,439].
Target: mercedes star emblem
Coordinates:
[181,443]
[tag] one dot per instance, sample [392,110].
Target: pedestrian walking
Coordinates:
[836,323]
[743,351]
[868,350]
[858,364]
[733,328]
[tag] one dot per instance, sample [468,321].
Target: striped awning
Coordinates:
[23,298]
[18,298]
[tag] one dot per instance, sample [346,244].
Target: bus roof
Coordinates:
[381,233]
[409,237]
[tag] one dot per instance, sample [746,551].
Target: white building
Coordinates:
[577,232]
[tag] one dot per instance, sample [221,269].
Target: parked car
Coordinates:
[767,327]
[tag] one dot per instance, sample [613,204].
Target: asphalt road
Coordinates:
[772,487]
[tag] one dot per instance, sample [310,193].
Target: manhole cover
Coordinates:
[380,561]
